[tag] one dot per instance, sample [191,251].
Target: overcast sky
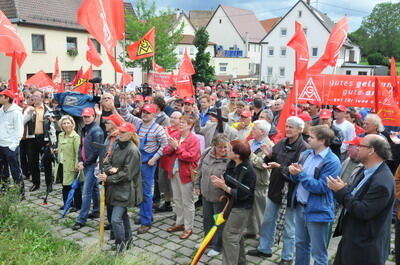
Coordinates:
[354,9]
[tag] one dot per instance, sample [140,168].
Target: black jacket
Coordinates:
[46,123]
[366,219]
[285,155]
[337,141]
[244,174]
[91,133]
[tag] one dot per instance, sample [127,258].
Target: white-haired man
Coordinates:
[373,124]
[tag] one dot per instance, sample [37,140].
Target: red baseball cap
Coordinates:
[314,102]
[8,93]
[356,141]
[139,98]
[325,114]
[340,108]
[87,112]
[304,116]
[148,98]
[150,108]
[116,119]
[189,100]
[127,127]
[233,94]
[246,114]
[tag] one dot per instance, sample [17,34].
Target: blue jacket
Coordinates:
[320,205]
[91,133]
[73,103]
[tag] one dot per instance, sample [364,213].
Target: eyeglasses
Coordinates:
[365,146]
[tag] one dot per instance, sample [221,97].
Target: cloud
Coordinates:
[355,9]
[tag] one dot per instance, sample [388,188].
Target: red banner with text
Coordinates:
[160,79]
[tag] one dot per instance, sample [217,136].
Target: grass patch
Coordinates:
[26,238]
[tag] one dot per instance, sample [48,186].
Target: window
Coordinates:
[362,73]
[220,21]
[223,67]
[72,43]
[38,43]
[269,71]
[300,13]
[283,32]
[314,52]
[191,51]
[283,52]
[96,45]
[255,48]
[68,76]
[270,51]
[180,50]
[281,71]
[305,30]
[96,73]
[348,72]
[248,47]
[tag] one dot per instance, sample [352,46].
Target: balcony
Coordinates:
[232,52]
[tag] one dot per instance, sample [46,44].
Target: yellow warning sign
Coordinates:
[144,48]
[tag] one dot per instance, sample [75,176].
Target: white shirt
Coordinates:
[12,127]
[348,130]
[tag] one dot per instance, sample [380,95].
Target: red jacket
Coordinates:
[188,155]
[167,160]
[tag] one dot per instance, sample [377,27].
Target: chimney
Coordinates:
[308,2]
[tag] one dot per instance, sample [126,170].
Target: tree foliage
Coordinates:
[204,71]
[377,59]
[380,31]
[168,34]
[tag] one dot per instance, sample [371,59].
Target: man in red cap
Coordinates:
[152,142]
[351,164]
[307,124]
[244,126]
[325,118]
[347,128]
[314,107]
[11,131]
[88,154]
[189,107]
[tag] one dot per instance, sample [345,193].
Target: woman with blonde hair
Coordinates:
[68,148]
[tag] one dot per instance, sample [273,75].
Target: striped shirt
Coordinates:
[156,138]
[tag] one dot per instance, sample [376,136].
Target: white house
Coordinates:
[278,60]
[48,29]
[237,34]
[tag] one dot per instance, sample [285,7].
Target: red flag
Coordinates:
[61,86]
[299,43]
[56,70]
[393,74]
[332,50]
[10,42]
[125,79]
[387,107]
[92,56]
[77,77]
[157,68]
[42,81]
[285,113]
[117,66]
[13,82]
[83,86]
[184,84]
[186,65]
[143,48]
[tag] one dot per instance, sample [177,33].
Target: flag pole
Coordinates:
[124,58]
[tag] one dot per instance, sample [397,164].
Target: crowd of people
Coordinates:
[330,172]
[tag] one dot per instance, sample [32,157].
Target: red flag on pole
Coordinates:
[157,68]
[332,50]
[10,42]
[299,43]
[13,82]
[77,77]
[61,86]
[92,56]
[117,66]
[393,74]
[143,48]
[83,86]
[125,79]
[285,113]
[386,106]
[56,70]
[184,84]
[42,81]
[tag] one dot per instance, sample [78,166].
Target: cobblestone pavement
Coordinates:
[164,247]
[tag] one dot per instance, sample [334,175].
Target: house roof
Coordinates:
[188,39]
[49,13]
[268,24]
[245,23]
[200,18]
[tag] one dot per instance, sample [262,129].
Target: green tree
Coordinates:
[377,59]
[380,31]
[168,34]
[204,71]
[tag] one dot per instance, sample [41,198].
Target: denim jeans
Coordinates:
[120,224]
[310,236]
[146,207]
[11,159]
[267,231]
[90,191]
[209,209]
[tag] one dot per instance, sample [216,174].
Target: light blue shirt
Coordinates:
[255,145]
[312,161]
[367,174]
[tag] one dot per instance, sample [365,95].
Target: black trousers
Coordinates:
[397,241]
[36,147]
[23,157]
[77,202]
